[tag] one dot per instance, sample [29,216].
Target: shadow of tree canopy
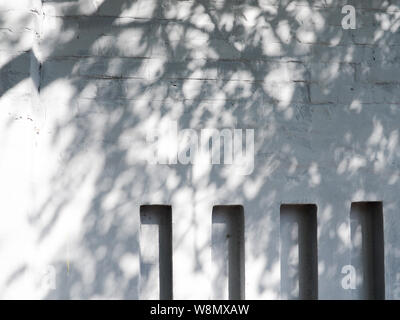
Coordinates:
[110,74]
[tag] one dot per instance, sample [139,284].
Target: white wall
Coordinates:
[84,82]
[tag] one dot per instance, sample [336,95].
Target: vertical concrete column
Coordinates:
[334,245]
[262,260]
[192,245]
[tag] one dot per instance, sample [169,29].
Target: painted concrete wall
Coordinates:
[83,85]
